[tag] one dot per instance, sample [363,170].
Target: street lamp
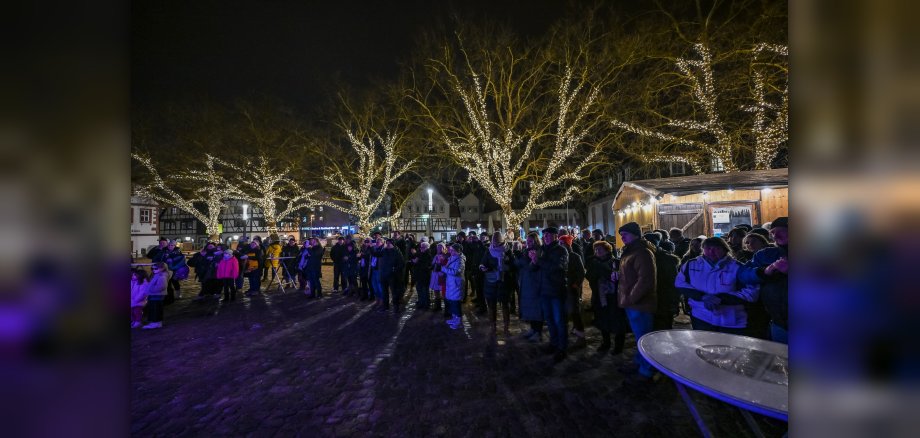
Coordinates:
[246,218]
[430,209]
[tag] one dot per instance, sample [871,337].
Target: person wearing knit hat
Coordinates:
[457,247]
[652,237]
[637,279]
[566,239]
[552,265]
[631,228]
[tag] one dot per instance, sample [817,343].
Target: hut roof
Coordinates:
[683,185]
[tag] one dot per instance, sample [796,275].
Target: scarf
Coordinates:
[499,253]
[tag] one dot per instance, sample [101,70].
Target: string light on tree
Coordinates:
[500,160]
[769,133]
[272,189]
[212,189]
[365,188]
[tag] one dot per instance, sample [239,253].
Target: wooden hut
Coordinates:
[709,204]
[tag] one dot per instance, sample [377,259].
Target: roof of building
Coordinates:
[682,185]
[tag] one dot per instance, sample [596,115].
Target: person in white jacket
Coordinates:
[454,270]
[138,296]
[716,297]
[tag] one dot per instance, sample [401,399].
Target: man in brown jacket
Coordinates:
[637,286]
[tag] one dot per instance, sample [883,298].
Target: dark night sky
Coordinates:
[291,50]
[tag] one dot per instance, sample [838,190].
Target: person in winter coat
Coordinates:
[454,271]
[390,267]
[338,264]
[201,262]
[769,269]
[552,264]
[665,271]
[608,315]
[158,254]
[575,277]
[138,296]
[174,260]
[637,284]
[420,264]
[710,283]
[272,251]
[252,263]
[496,263]
[365,291]
[350,269]
[512,284]
[156,293]
[302,259]
[472,253]
[529,287]
[290,253]
[438,281]
[681,243]
[228,268]
[314,266]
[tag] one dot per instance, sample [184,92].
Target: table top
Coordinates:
[750,373]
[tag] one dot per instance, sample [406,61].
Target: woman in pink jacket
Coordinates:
[228,269]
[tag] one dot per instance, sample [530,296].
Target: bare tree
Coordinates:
[515,119]
[271,188]
[209,187]
[361,190]
[707,142]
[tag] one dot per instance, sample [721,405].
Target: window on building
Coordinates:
[320,208]
[174,210]
[717,165]
[145,215]
[442,207]
[678,168]
[609,182]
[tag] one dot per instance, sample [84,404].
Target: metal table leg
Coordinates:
[696,415]
[753,424]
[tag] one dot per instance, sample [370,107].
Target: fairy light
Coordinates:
[268,186]
[213,190]
[498,161]
[768,133]
[358,188]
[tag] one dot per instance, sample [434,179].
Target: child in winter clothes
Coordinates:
[228,269]
[156,293]
[138,296]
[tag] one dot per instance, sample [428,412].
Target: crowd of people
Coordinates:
[736,283]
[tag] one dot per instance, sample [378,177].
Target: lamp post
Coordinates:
[246,219]
[430,210]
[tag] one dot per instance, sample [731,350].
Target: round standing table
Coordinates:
[750,373]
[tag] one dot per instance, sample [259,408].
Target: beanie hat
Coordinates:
[423,239]
[653,237]
[566,239]
[551,230]
[782,221]
[666,245]
[457,247]
[631,228]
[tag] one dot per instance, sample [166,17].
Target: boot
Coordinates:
[437,305]
[233,294]
[226,297]
[618,340]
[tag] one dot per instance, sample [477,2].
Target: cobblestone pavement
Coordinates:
[280,364]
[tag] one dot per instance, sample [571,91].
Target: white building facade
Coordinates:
[145,222]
